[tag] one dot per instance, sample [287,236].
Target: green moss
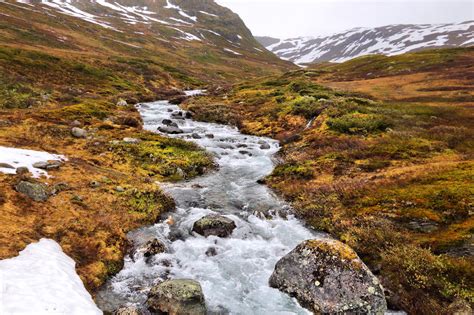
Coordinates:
[148,202]
[165,158]
[306,106]
[294,170]
[358,123]
[85,110]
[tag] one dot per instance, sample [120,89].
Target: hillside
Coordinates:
[182,40]
[383,164]
[387,40]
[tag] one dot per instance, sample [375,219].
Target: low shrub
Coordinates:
[357,123]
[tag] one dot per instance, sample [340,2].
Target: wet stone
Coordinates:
[154,247]
[214,225]
[170,130]
[128,310]
[179,296]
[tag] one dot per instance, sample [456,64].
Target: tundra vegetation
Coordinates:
[392,178]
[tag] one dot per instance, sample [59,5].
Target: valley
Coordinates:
[375,152]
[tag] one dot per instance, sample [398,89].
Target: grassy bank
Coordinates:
[107,186]
[391,179]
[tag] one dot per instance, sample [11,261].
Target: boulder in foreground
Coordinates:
[327,276]
[177,297]
[214,225]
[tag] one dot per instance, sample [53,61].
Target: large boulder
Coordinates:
[35,191]
[327,276]
[214,225]
[177,297]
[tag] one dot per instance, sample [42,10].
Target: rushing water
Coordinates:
[235,281]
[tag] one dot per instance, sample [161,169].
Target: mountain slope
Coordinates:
[380,162]
[386,40]
[192,36]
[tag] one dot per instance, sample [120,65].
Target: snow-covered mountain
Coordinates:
[387,40]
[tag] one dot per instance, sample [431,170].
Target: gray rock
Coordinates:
[128,310]
[41,165]
[211,251]
[214,225]
[119,189]
[76,123]
[52,165]
[424,226]
[22,170]
[5,165]
[131,140]
[170,130]
[122,102]
[48,165]
[210,136]
[327,276]
[94,184]
[180,172]
[168,122]
[265,146]
[59,187]
[78,132]
[35,191]
[196,136]
[153,248]
[177,297]
[225,146]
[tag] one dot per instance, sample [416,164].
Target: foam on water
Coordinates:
[235,280]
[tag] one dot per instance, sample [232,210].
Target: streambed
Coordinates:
[235,279]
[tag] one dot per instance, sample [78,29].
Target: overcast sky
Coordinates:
[292,18]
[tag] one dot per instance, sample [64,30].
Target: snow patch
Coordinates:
[42,280]
[232,51]
[207,13]
[23,157]
[169,5]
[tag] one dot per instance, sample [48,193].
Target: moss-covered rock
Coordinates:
[327,276]
[214,225]
[177,297]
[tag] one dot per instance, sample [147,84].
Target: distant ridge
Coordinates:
[386,40]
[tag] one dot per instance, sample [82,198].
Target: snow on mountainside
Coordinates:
[387,40]
[191,20]
[185,38]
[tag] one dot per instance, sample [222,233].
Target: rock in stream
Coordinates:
[214,225]
[177,297]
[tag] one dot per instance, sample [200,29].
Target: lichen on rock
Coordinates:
[327,276]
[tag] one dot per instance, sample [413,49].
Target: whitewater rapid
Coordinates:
[235,281]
